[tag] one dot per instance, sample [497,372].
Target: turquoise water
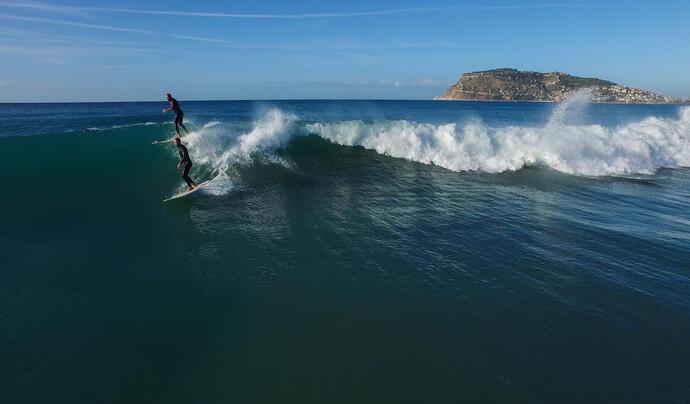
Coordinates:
[346,251]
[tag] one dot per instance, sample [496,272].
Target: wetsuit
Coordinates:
[179,115]
[175,106]
[184,159]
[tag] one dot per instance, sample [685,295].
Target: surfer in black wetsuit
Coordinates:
[184,159]
[179,115]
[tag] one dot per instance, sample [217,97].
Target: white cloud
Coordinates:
[332,45]
[78,41]
[396,83]
[429,82]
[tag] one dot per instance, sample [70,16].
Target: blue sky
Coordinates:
[136,50]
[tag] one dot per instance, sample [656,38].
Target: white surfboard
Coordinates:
[172,138]
[185,193]
[163,141]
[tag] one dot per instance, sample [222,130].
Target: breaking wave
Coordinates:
[637,148]
[642,147]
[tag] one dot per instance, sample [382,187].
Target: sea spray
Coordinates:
[221,147]
[572,109]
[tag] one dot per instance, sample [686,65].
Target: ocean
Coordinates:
[346,251]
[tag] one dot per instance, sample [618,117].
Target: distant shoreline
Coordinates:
[512,85]
[556,102]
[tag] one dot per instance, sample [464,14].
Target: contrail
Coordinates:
[308,47]
[227,42]
[74,24]
[44,7]
[47,7]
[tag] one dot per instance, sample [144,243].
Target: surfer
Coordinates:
[184,159]
[179,115]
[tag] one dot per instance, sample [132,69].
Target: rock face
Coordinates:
[514,85]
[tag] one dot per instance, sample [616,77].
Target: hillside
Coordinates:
[514,85]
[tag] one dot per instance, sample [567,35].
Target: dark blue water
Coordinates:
[346,251]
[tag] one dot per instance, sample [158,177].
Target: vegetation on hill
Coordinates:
[513,85]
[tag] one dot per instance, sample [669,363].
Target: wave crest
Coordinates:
[637,148]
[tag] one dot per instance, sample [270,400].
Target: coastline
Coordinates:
[556,102]
[512,85]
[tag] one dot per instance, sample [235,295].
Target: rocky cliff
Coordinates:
[514,85]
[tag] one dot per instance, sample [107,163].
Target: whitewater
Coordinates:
[641,147]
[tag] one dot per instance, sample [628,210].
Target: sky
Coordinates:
[130,50]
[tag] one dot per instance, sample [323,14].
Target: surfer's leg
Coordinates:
[182,124]
[185,176]
[178,121]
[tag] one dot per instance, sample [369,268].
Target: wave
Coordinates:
[637,148]
[594,150]
[132,125]
[223,147]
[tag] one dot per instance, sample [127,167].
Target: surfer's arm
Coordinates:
[169,109]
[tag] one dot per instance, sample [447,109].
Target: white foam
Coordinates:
[222,148]
[222,184]
[636,148]
[642,147]
[131,125]
[273,130]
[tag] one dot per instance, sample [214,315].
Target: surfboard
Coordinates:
[163,141]
[185,193]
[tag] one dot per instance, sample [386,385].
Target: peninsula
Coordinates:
[515,85]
